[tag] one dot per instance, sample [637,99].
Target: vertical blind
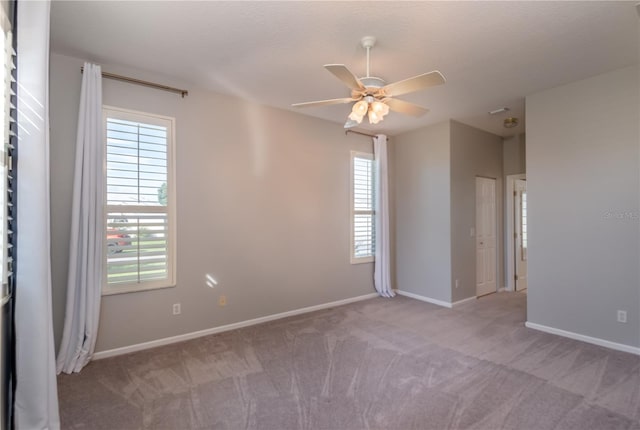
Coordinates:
[363,207]
[137,215]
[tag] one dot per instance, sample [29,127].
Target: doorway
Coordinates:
[486,237]
[520,234]
[516,233]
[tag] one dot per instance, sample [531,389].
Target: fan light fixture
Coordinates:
[374,109]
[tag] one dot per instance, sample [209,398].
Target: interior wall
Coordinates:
[583,175]
[391,175]
[262,206]
[422,217]
[514,154]
[473,153]
[514,149]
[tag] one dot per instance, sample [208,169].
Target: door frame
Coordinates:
[509,246]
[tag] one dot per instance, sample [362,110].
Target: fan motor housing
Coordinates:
[372,81]
[372,87]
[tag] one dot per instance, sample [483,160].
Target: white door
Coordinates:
[485,236]
[520,236]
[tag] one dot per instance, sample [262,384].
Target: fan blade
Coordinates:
[325,102]
[401,106]
[416,83]
[341,72]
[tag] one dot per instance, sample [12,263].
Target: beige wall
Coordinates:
[473,153]
[422,217]
[263,206]
[514,155]
[435,171]
[391,174]
[583,176]
[514,162]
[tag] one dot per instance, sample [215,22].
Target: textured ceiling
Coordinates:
[493,54]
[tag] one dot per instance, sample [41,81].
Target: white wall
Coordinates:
[422,218]
[473,153]
[583,175]
[263,206]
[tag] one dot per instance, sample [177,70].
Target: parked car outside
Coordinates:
[117,238]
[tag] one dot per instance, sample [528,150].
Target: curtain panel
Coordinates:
[87,231]
[36,401]
[382,265]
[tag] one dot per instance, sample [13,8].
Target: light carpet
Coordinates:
[378,364]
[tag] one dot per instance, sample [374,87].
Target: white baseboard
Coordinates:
[424,299]
[460,302]
[193,335]
[583,338]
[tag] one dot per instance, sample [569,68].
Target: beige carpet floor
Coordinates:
[378,364]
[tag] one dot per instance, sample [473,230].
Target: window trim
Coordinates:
[352,212]
[154,119]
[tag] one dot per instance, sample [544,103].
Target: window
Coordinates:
[362,208]
[140,203]
[523,220]
[8,186]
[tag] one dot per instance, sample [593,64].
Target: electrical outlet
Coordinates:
[222,301]
[176,309]
[622,316]
[457,283]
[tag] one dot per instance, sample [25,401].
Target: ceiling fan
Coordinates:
[373,96]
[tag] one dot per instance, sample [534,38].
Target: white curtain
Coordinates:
[382,270]
[36,401]
[87,231]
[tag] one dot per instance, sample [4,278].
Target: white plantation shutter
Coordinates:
[7,214]
[6,150]
[140,207]
[362,208]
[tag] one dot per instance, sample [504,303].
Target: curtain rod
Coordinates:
[141,82]
[359,132]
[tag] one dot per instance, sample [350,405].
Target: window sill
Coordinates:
[123,289]
[362,260]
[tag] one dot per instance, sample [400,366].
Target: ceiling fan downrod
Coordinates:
[367,43]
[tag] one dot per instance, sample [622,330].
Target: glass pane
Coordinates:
[362,184]
[136,163]
[523,212]
[137,247]
[363,207]
[362,235]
